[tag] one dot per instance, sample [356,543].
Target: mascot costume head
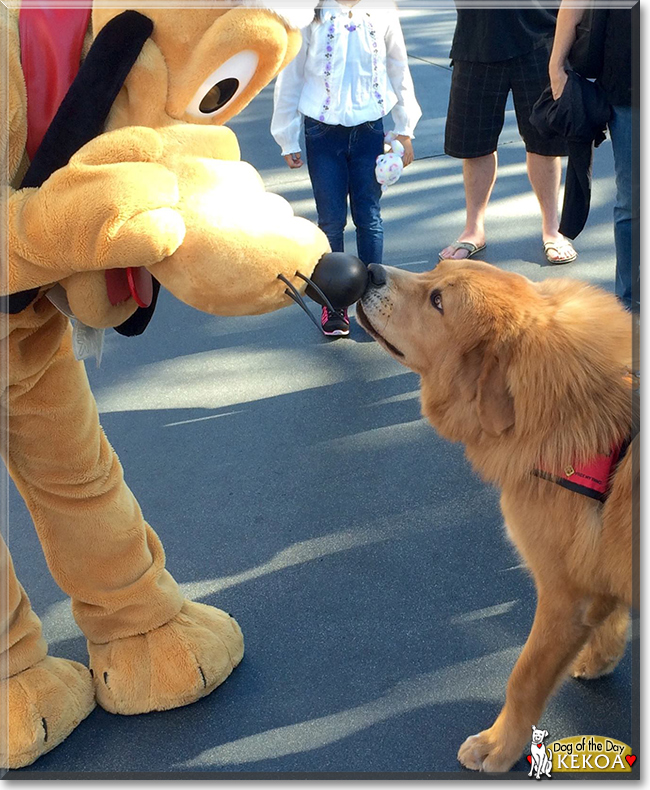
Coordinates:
[120,177]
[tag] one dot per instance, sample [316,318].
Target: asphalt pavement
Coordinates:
[295,484]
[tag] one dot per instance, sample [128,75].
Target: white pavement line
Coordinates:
[295,554]
[465,681]
[304,551]
[200,419]
[59,625]
[481,614]
[395,398]
[512,568]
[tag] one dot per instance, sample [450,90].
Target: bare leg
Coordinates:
[545,175]
[479,177]
[559,631]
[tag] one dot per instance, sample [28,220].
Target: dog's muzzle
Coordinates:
[375,307]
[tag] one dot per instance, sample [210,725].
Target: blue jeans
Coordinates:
[626,208]
[341,162]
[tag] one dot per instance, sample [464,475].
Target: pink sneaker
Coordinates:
[335,322]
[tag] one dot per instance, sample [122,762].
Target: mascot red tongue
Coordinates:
[113,183]
[138,283]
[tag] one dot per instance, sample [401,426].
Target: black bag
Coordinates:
[587,54]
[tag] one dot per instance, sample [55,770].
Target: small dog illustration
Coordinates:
[540,757]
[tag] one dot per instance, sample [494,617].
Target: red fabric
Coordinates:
[593,474]
[140,285]
[591,478]
[51,41]
[133,281]
[117,286]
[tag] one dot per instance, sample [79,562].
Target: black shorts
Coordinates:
[477,102]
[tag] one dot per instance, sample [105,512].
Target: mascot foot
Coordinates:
[45,703]
[171,666]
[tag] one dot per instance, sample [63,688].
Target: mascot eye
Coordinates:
[219,95]
[436,301]
[223,85]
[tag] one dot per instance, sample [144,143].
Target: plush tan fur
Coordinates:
[527,375]
[164,189]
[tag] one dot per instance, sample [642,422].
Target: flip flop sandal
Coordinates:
[557,247]
[471,248]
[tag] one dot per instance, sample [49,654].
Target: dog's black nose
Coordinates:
[377,274]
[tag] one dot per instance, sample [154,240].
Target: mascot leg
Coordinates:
[42,698]
[149,648]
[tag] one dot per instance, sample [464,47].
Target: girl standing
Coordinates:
[351,70]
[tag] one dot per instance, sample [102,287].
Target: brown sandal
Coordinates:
[471,248]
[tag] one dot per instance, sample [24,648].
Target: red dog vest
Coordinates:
[591,478]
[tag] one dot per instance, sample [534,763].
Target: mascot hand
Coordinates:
[112,206]
[239,237]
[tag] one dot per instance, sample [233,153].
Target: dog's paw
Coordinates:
[485,752]
[604,650]
[590,664]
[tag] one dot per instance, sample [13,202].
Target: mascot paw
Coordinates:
[173,665]
[45,703]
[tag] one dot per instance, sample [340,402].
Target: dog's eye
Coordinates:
[436,301]
[223,85]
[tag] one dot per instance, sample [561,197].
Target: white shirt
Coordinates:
[352,68]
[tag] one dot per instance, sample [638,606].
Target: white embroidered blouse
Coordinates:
[352,68]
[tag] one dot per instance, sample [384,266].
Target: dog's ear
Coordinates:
[483,379]
[534,727]
[496,408]
[545,733]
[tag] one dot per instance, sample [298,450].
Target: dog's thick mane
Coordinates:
[566,377]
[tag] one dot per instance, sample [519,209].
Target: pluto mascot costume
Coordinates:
[129,181]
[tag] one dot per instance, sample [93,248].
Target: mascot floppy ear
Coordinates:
[81,116]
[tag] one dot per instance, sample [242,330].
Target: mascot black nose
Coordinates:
[341,277]
[377,274]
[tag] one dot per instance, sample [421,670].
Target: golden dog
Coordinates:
[530,376]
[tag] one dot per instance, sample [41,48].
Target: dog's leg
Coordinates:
[605,647]
[558,633]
